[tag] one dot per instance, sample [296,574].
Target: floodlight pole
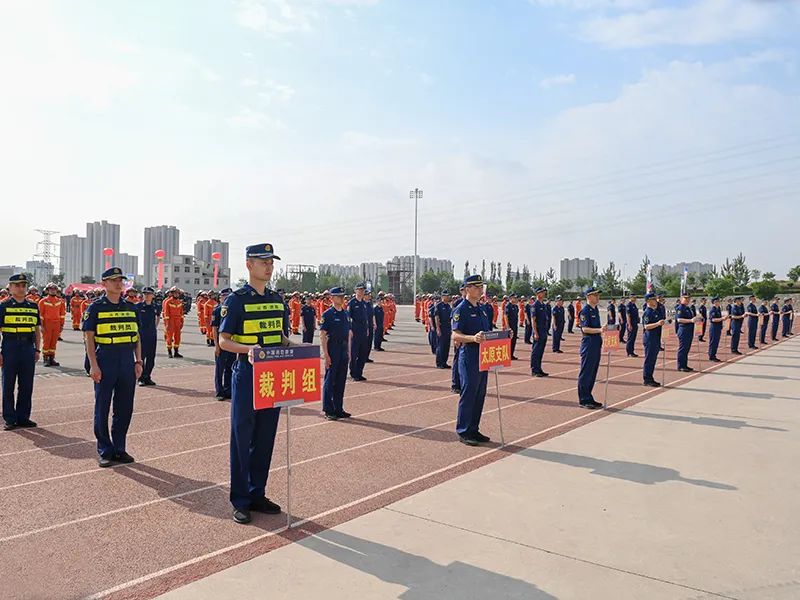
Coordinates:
[416,194]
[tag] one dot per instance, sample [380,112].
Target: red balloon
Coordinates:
[216,255]
[108,252]
[159,253]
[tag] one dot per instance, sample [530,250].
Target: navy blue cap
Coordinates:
[445,293]
[473,280]
[280,290]
[512,295]
[261,251]
[113,273]
[649,296]
[18,278]
[336,291]
[540,289]
[591,290]
[368,292]
[361,286]
[715,299]
[148,290]
[558,297]
[226,291]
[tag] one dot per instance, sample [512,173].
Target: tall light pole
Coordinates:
[416,194]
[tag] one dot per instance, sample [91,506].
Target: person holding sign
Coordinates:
[685,320]
[469,325]
[591,348]
[715,320]
[252,318]
[335,336]
[652,322]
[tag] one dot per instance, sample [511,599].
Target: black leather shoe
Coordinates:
[633,355]
[177,354]
[124,458]
[265,505]
[379,350]
[53,363]
[169,353]
[558,351]
[455,390]
[684,369]
[735,352]
[104,462]
[588,405]
[482,438]
[652,383]
[446,366]
[468,440]
[142,383]
[241,516]
[344,415]
[331,416]
[149,381]
[220,397]
[26,423]
[9,426]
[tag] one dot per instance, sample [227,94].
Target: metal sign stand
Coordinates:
[288,404]
[663,363]
[700,354]
[608,371]
[499,412]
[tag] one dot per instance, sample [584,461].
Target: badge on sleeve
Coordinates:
[223,311]
[456,316]
[86,315]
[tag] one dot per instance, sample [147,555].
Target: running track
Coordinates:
[72,530]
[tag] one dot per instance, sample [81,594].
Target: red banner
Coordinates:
[495,350]
[284,376]
[610,338]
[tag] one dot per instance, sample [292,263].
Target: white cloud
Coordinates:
[269,90]
[257,120]
[698,23]
[556,80]
[275,16]
[361,140]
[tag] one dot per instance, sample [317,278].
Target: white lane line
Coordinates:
[198,559]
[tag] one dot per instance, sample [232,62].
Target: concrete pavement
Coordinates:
[692,494]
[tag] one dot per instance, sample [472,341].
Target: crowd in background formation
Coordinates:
[120,324]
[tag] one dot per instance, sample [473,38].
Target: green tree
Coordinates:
[638,284]
[526,274]
[609,280]
[769,275]
[559,288]
[794,274]
[522,288]
[326,281]
[739,271]
[582,282]
[766,289]
[492,289]
[550,276]
[87,279]
[241,282]
[720,286]
[429,282]
[755,274]
[383,281]
[509,276]
[58,279]
[466,268]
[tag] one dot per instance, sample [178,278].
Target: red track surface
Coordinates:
[71,530]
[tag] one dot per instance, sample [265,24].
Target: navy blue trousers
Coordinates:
[630,345]
[537,352]
[715,334]
[763,332]
[528,333]
[591,351]
[557,333]
[378,334]
[223,373]
[787,326]
[148,340]
[685,338]
[335,379]
[775,321]
[358,354]
[443,348]
[473,392]
[252,439]
[19,365]
[652,346]
[433,340]
[115,390]
[308,334]
[456,379]
[752,328]
[736,333]
[370,339]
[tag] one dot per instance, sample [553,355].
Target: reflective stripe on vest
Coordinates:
[20,319]
[116,327]
[262,325]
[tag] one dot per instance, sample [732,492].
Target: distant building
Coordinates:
[7,271]
[190,274]
[573,268]
[694,267]
[161,237]
[342,271]
[41,271]
[425,264]
[372,272]
[99,235]
[72,248]
[203,249]
[128,263]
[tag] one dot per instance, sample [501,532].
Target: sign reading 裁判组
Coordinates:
[285,376]
[495,350]
[610,338]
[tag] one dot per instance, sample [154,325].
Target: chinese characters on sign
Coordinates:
[610,338]
[495,350]
[282,375]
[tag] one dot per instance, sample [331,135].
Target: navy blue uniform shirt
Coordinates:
[336,323]
[445,313]
[357,311]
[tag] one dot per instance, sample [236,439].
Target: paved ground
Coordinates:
[71,530]
[691,494]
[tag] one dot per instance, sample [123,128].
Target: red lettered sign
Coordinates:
[495,350]
[610,338]
[285,376]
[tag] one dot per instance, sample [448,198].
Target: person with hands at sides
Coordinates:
[653,322]
[335,338]
[591,348]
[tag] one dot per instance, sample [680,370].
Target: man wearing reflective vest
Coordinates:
[19,323]
[252,318]
[111,332]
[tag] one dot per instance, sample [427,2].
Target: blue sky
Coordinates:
[537,129]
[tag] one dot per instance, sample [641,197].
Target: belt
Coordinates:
[17,339]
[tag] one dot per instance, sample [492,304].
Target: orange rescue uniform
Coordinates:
[201,319]
[76,310]
[172,311]
[53,311]
[208,308]
[294,314]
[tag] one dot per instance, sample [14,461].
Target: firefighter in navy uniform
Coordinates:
[591,348]
[111,332]
[308,318]
[149,315]
[653,323]
[223,360]
[511,310]
[253,317]
[21,348]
